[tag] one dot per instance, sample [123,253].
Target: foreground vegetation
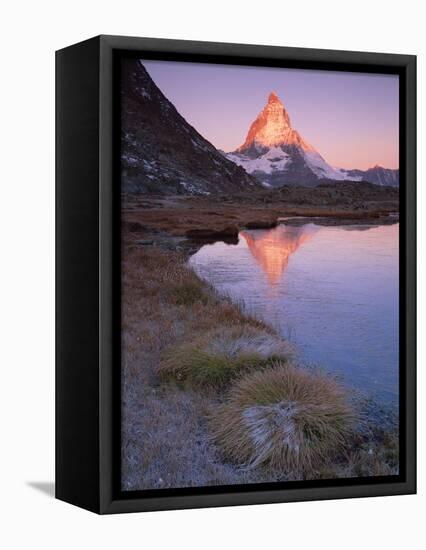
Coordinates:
[220,355]
[214,396]
[285,417]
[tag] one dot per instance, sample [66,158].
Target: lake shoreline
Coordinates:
[373,450]
[329,289]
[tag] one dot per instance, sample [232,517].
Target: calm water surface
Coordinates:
[333,291]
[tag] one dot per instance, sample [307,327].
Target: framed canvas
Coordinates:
[235,274]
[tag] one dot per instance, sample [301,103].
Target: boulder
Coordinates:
[227,234]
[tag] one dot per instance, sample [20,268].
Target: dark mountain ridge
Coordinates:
[161,152]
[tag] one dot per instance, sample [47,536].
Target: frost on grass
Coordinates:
[220,355]
[166,440]
[284,416]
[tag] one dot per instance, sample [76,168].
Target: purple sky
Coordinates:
[350,118]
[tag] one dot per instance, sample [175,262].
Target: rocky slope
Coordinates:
[161,152]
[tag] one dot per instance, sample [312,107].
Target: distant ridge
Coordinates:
[378,175]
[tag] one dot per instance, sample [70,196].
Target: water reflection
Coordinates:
[333,290]
[273,248]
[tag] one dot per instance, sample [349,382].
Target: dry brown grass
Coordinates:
[285,417]
[219,355]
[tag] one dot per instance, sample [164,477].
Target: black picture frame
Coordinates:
[88,274]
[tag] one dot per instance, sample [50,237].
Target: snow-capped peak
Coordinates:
[272,127]
[276,153]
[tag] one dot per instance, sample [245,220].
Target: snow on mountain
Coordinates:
[324,171]
[274,159]
[276,154]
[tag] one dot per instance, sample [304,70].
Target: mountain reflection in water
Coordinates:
[332,290]
[273,248]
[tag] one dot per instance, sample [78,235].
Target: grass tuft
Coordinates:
[285,417]
[221,354]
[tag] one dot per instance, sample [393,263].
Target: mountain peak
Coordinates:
[272,128]
[276,154]
[273,98]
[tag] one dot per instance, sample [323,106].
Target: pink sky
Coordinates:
[352,119]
